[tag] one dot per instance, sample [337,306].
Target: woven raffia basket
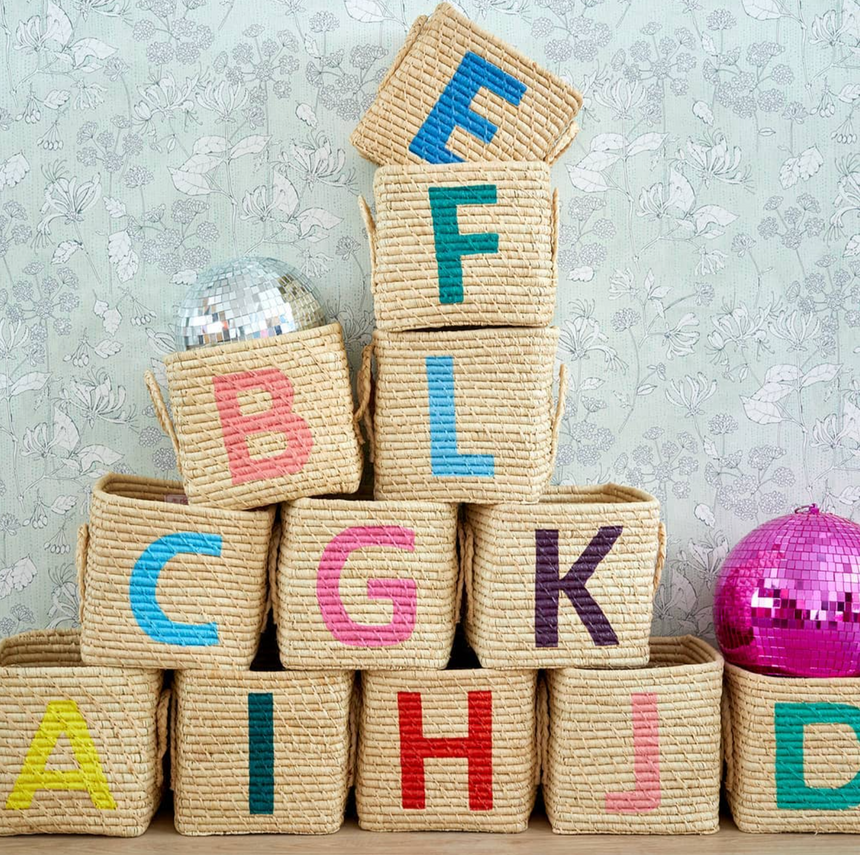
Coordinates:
[483,721]
[262,421]
[462,415]
[451,73]
[363,584]
[170,585]
[261,751]
[463,245]
[82,747]
[637,751]
[792,751]
[566,582]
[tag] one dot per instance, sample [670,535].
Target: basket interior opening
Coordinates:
[145,491]
[672,652]
[589,495]
[26,652]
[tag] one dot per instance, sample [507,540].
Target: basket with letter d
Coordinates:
[82,746]
[792,750]
[467,244]
[456,92]
[637,751]
[262,421]
[165,584]
[462,415]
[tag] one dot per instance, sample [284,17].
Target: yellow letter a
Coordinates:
[61,717]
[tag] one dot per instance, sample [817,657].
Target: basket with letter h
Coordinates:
[568,581]
[455,92]
[364,584]
[165,584]
[462,415]
[792,751]
[467,244]
[636,751]
[261,751]
[262,421]
[451,750]
[82,746]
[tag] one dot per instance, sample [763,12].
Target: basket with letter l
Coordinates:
[467,244]
[462,415]
[637,751]
[169,585]
[448,750]
[82,746]
[363,584]
[566,582]
[792,751]
[262,421]
[261,751]
[456,92]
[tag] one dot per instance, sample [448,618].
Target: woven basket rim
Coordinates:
[102,489]
[559,497]
[765,680]
[348,503]
[216,352]
[540,336]
[513,166]
[230,676]
[447,671]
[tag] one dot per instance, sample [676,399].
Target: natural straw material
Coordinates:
[638,751]
[262,421]
[213,566]
[569,581]
[78,725]
[489,714]
[782,755]
[363,584]
[256,751]
[494,421]
[530,112]
[463,245]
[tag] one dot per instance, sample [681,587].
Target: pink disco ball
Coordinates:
[788,597]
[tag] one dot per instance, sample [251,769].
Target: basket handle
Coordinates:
[661,554]
[541,726]
[354,712]
[364,384]
[81,548]
[728,739]
[161,736]
[161,412]
[466,538]
[370,226]
[564,140]
[559,413]
[554,227]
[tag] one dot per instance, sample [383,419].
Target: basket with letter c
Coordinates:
[82,746]
[636,751]
[462,415]
[262,421]
[466,244]
[164,584]
[456,92]
[566,582]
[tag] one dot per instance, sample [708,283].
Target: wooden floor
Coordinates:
[161,839]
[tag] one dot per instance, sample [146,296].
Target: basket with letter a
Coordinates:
[261,751]
[448,750]
[568,581]
[363,584]
[467,244]
[462,415]
[636,751]
[165,584]
[792,750]
[455,92]
[82,746]
[262,421]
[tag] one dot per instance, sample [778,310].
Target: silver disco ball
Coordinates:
[244,299]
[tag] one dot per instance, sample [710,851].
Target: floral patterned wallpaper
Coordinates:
[710,251]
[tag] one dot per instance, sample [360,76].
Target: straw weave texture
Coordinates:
[591,758]
[127,515]
[211,755]
[314,362]
[417,548]
[830,752]
[541,127]
[500,545]
[514,285]
[444,700]
[503,405]
[125,715]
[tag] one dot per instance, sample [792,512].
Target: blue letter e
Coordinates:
[144,581]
